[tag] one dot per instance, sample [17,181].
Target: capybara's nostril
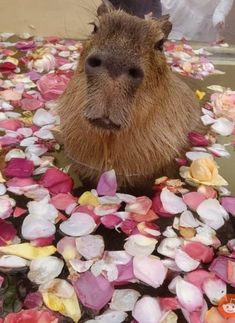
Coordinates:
[136,73]
[93,63]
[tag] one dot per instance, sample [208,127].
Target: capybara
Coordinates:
[124,109]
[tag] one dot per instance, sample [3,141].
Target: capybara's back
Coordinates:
[124,109]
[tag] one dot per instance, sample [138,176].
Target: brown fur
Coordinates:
[155,116]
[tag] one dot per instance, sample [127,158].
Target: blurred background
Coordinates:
[70,18]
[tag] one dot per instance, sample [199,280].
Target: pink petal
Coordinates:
[10,95]
[52,85]
[172,203]
[33,300]
[18,212]
[110,221]
[106,209]
[93,292]
[223,127]
[207,191]
[198,277]
[56,181]
[125,273]
[62,200]
[81,266]
[185,262]
[141,206]
[8,141]
[23,45]
[198,251]
[193,199]
[189,296]
[41,242]
[19,167]
[228,203]
[90,246]
[150,270]
[147,310]
[10,124]
[231,272]
[197,139]
[221,266]
[169,304]
[158,207]
[5,208]
[31,104]
[20,182]
[128,226]
[1,281]
[107,184]
[7,232]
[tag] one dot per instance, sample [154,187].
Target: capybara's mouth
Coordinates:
[104,123]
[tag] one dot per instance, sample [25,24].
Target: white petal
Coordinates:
[124,299]
[81,266]
[79,224]
[185,262]
[219,150]
[194,155]
[8,261]
[43,117]
[189,296]
[44,269]
[223,127]
[109,316]
[147,310]
[43,209]
[212,213]
[139,245]
[187,220]
[170,264]
[120,257]
[168,246]
[108,269]
[169,233]
[126,198]
[14,153]
[33,228]
[3,189]
[215,289]
[90,246]
[207,120]
[172,203]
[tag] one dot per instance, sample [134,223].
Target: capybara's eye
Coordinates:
[159,45]
[95,27]
[136,73]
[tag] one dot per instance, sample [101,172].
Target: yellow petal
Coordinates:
[66,306]
[88,198]
[2,180]
[27,251]
[200,94]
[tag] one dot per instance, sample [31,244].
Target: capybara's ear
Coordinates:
[105,7]
[165,24]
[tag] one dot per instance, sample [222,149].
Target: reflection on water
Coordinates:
[227,166]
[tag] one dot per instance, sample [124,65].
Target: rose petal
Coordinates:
[44,269]
[9,261]
[18,167]
[147,310]
[67,248]
[168,246]
[215,289]
[81,266]
[7,232]
[56,181]
[189,296]
[198,251]
[27,251]
[172,203]
[31,104]
[229,204]
[124,299]
[185,262]
[107,184]
[198,277]
[93,292]
[34,228]
[43,117]
[33,300]
[150,270]
[223,127]
[193,199]
[90,246]
[139,245]
[212,213]
[79,224]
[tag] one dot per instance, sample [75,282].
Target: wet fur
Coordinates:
[156,117]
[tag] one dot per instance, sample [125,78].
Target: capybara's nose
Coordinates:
[100,62]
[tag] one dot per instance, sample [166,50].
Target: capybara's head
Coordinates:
[120,61]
